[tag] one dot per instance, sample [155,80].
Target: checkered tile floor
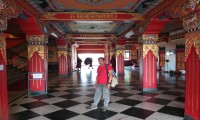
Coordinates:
[69,96]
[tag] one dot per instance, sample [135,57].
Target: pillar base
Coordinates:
[149,89]
[188,117]
[36,93]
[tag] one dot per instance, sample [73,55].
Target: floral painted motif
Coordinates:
[191,22]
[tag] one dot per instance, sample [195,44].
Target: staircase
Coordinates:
[17,68]
[15,74]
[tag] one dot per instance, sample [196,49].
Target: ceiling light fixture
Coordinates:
[54,34]
[129,34]
[94,22]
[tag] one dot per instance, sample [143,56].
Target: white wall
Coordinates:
[74,56]
[171,45]
[171,65]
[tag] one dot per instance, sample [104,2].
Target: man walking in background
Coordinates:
[102,84]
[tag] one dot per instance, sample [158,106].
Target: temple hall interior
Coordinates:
[50,50]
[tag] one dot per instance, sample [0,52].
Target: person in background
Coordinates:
[113,62]
[78,66]
[102,85]
[90,65]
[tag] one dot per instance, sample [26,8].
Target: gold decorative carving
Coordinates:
[36,48]
[11,9]
[60,53]
[147,47]
[120,47]
[118,52]
[150,38]
[37,39]
[62,48]
[3,45]
[49,15]
[69,53]
[91,16]
[192,39]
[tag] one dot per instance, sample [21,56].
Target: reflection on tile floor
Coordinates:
[69,96]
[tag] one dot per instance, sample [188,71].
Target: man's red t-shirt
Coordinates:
[102,74]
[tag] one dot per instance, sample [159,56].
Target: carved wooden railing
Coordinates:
[17,61]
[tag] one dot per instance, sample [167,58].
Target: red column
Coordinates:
[107,55]
[62,60]
[3,80]
[38,61]
[120,59]
[148,63]
[192,96]
[113,58]
[69,59]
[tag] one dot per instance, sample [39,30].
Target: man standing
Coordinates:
[102,84]
[78,66]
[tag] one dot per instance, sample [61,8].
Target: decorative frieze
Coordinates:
[37,39]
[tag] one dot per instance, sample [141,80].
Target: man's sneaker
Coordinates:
[103,109]
[92,107]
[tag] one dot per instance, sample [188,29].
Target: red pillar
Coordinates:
[148,60]
[120,59]
[62,60]
[3,80]
[69,59]
[38,62]
[107,55]
[113,57]
[192,97]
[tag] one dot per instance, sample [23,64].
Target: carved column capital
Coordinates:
[62,50]
[149,38]
[62,47]
[37,39]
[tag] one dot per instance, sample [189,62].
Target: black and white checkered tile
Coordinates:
[69,96]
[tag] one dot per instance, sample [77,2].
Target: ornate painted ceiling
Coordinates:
[95,6]
[139,6]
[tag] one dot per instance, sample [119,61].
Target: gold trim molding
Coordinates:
[118,52]
[60,53]
[192,39]
[69,53]
[36,48]
[147,47]
[36,39]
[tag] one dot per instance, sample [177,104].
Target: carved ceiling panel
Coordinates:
[92,27]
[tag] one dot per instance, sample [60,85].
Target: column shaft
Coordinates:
[148,62]
[120,59]
[192,97]
[3,80]
[38,62]
[62,61]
